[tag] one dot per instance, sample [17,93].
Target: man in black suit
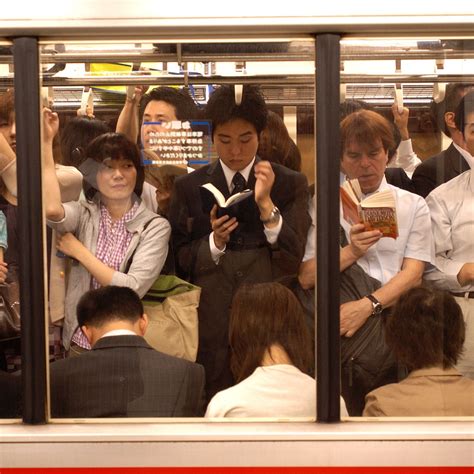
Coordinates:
[450,162]
[219,254]
[122,376]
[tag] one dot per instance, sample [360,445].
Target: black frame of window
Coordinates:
[31,228]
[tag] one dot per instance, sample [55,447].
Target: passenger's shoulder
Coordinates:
[454,184]
[430,163]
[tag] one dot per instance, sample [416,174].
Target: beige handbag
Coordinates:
[171,305]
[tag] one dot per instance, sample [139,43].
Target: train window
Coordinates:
[408,103]
[10,349]
[136,130]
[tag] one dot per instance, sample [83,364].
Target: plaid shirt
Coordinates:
[112,244]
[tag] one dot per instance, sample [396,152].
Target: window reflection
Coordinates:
[10,349]
[167,111]
[399,135]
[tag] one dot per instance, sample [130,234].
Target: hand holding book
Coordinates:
[377,211]
[232,207]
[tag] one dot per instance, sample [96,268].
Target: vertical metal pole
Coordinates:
[327,211]
[30,226]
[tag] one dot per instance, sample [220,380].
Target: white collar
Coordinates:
[229,174]
[467,156]
[382,186]
[119,332]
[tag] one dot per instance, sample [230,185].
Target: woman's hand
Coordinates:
[69,245]
[50,124]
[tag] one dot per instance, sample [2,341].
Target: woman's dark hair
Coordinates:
[7,105]
[276,145]
[221,107]
[426,328]
[115,146]
[465,107]
[264,314]
[366,127]
[76,136]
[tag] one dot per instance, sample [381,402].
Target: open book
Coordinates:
[231,207]
[377,211]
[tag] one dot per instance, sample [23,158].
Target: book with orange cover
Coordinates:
[377,211]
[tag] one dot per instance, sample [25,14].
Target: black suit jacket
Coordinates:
[398,177]
[10,395]
[122,376]
[438,170]
[248,257]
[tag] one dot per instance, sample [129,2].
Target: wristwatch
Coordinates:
[377,307]
[274,216]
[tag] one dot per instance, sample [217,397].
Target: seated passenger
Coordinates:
[397,263]
[102,233]
[426,331]
[122,376]
[271,357]
[452,219]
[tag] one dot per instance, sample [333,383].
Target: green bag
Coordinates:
[171,305]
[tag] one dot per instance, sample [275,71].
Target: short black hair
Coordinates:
[109,303]
[453,95]
[115,146]
[184,105]
[465,107]
[221,107]
[426,328]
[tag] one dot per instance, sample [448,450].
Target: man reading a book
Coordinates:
[398,263]
[264,239]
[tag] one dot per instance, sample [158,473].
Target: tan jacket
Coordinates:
[433,391]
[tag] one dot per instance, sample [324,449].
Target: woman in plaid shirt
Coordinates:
[102,232]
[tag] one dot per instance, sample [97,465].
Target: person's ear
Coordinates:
[88,333]
[449,119]
[143,323]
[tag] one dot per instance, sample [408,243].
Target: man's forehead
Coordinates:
[160,107]
[357,145]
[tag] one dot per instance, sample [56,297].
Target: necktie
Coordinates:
[239,183]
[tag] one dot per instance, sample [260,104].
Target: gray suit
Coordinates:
[122,376]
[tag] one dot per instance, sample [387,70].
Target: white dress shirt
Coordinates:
[405,158]
[310,249]
[452,220]
[466,155]
[385,258]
